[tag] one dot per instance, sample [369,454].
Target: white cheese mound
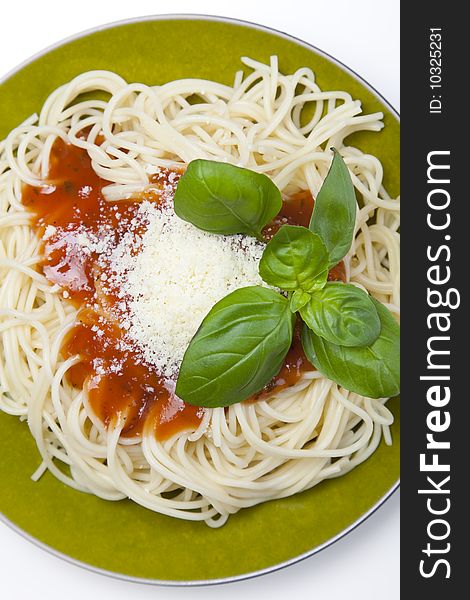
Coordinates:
[174,280]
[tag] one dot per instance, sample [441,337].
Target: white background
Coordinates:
[363,34]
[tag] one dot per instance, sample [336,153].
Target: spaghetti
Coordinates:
[287,440]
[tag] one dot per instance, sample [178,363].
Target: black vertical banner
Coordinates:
[435,328]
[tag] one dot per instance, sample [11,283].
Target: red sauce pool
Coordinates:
[118,382]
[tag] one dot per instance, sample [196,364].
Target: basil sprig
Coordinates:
[372,371]
[349,336]
[334,214]
[225,199]
[343,314]
[239,347]
[299,299]
[295,258]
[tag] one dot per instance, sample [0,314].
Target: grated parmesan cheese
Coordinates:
[177,274]
[49,232]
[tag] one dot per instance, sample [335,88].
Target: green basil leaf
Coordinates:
[221,198]
[342,314]
[298,299]
[295,258]
[372,371]
[239,347]
[334,213]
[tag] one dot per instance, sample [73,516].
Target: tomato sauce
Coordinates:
[116,379]
[296,210]
[118,382]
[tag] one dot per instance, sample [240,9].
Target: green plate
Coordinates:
[122,538]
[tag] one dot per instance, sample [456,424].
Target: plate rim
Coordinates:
[201,582]
[365,516]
